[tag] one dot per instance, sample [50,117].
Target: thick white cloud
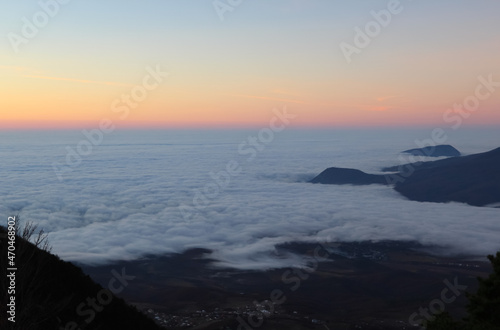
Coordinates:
[123,201]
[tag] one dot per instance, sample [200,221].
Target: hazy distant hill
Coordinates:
[444,150]
[473,179]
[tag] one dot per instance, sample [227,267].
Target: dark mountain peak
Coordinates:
[494,152]
[337,175]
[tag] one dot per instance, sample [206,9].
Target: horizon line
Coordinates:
[87,125]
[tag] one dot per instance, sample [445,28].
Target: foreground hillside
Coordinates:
[54,294]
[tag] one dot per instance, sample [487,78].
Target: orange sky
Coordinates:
[233,73]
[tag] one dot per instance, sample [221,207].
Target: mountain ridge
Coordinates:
[471,179]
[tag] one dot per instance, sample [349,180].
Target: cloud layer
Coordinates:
[123,201]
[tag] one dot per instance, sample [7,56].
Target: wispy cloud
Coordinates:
[283,92]
[376,105]
[385,98]
[268,98]
[83,81]
[377,108]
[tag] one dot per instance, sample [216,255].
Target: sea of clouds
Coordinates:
[123,200]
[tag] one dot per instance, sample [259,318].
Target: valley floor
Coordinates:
[385,285]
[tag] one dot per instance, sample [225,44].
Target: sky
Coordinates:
[73,63]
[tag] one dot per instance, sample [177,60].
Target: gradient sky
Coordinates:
[264,54]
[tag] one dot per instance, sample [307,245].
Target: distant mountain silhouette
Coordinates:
[337,175]
[473,179]
[435,151]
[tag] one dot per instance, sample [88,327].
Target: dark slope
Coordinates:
[53,294]
[435,151]
[336,175]
[473,179]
